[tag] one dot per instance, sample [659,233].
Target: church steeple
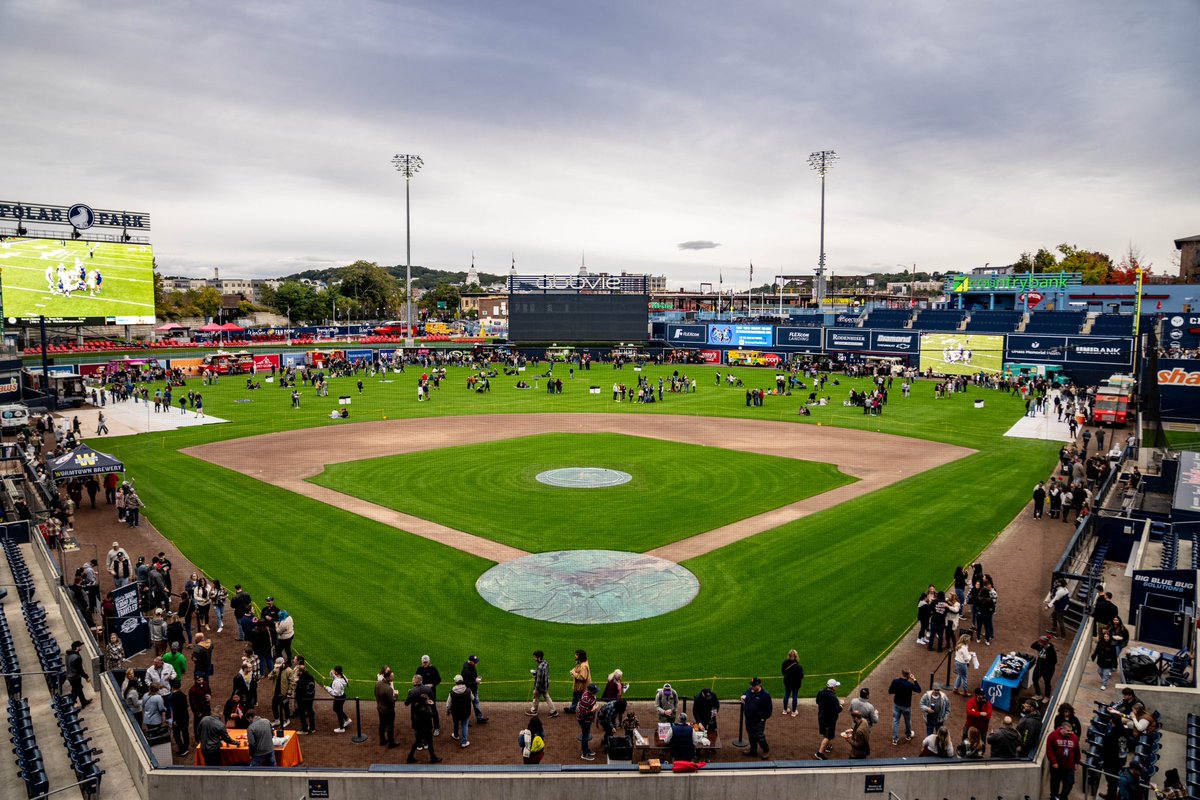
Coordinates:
[472,275]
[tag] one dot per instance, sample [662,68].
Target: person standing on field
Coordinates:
[829,708]
[541,685]
[581,676]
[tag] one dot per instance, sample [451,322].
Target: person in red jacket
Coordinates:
[979,714]
[1062,751]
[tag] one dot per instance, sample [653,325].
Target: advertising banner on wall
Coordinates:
[847,339]
[710,356]
[687,335]
[1187,484]
[1034,349]
[798,338]
[264,362]
[1117,351]
[130,626]
[962,353]
[10,379]
[1179,390]
[898,342]
[1159,601]
[1181,331]
[741,335]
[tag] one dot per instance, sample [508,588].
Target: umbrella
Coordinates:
[83,460]
[211,327]
[170,326]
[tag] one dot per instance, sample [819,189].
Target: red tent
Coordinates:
[229,326]
[211,327]
[170,326]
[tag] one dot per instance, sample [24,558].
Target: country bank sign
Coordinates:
[1011,284]
[79,216]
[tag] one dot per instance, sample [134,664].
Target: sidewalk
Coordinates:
[127,418]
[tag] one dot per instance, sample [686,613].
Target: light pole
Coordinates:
[407,165]
[822,162]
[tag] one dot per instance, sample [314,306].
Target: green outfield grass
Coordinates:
[126,288]
[838,585]
[678,490]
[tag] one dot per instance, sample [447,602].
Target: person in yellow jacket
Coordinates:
[581,674]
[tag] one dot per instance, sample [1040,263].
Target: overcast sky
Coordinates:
[258,135]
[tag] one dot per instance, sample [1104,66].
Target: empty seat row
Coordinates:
[994,321]
[1193,755]
[84,762]
[939,319]
[1113,325]
[22,577]
[49,654]
[9,664]
[888,318]
[1170,550]
[29,758]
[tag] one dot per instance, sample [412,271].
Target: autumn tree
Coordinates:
[1125,272]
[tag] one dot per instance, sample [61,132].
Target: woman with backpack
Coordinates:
[532,742]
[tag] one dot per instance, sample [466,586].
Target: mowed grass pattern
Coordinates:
[839,585]
[491,490]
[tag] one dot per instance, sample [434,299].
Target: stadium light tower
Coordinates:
[822,162]
[407,165]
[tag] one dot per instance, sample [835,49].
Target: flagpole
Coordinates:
[720,292]
[750,292]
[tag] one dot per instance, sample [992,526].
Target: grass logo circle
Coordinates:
[584,477]
[588,587]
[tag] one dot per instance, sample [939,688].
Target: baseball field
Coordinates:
[815,532]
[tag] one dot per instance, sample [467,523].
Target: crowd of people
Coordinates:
[182,636]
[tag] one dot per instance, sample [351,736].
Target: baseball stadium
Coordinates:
[619,525]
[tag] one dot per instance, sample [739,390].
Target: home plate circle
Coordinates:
[584,477]
[588,587]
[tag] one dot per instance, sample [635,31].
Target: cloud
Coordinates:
[698,244]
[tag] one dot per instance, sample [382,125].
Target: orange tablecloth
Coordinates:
[287,756]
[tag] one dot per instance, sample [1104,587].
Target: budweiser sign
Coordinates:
[1178,377]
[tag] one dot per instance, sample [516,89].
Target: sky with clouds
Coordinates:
[667,137]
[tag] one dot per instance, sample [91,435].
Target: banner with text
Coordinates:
[741,335]
[1179,391]
[1031,349]
[687,335]
[798,339]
